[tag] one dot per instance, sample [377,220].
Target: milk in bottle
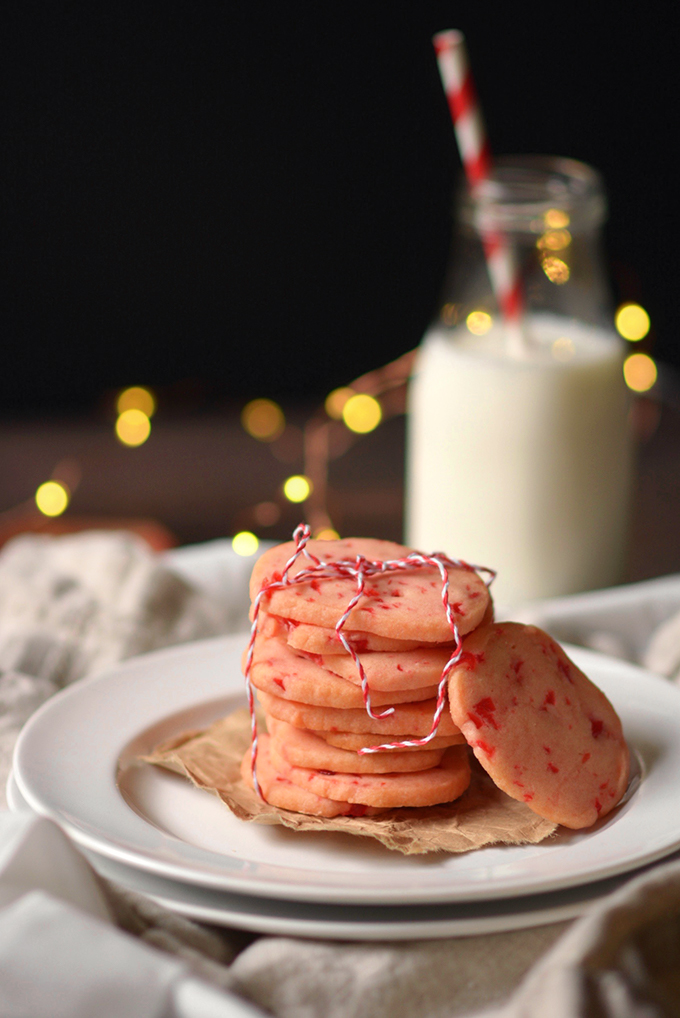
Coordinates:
[519,457]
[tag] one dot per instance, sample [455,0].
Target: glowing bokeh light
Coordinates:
[245,543]
[263,419]
[335,402]
[267,513]
[478,322]
[52,498]
[639,371]
[632,322]
[556,219]
[327,534]
[362,413]
[554,240]
[563,349]
[133,427]
[137,398]
[297,488]
[556,270]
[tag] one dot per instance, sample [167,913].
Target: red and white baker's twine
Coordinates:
[475,154]
[359,569]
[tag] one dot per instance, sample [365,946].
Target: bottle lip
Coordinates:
[532,193]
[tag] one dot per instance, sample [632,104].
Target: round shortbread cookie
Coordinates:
[279,791]
[388,791]
[319,640]
[301,748]
[405,605]
[407,717]
[282,671]
[354,742]
[392,672]
[542,730]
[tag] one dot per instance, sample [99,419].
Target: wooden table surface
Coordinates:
[201,477]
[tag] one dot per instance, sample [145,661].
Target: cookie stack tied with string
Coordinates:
[352,645]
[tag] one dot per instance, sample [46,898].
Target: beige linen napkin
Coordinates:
[70,606]
[427,979]
[73,605]
[61,955]
[621,961]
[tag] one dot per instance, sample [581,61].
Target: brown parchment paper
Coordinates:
[484,815]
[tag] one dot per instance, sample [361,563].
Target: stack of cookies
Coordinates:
[544,733]
[310,690]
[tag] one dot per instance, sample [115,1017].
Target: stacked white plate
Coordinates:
[77,761]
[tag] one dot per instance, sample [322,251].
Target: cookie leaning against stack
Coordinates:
[310,689]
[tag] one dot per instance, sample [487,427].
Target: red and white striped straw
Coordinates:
[475,154]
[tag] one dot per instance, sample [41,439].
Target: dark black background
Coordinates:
[240,199]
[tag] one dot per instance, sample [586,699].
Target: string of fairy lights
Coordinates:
[135,406]
[347,413]
[381,394]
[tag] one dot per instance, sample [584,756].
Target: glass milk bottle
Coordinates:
[519,451]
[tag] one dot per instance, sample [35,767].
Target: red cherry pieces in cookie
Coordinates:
[442,783]
[543,731]
[318,640]
[412,718]
[284,672]
[301,748]
[390,672]
[278,790]
[405,605]
[354,741]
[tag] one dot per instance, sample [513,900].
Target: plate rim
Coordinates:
[285,886]
[570,905]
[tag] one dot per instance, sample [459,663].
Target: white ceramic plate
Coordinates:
[76,762]
[346,922]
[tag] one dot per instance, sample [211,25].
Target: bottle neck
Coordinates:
[532,195]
